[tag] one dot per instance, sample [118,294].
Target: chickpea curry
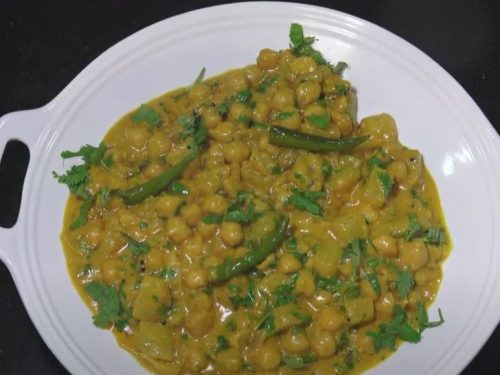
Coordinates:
[249,224]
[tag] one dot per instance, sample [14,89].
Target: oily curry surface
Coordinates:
[210,236]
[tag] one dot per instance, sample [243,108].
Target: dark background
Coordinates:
[45,44]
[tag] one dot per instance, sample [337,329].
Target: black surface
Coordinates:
[44,44]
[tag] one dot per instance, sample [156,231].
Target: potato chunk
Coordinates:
[153,296]
[359,310]
[155,341]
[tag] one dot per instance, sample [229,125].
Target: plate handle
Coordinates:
[25,126]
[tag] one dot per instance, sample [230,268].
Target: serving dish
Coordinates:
[432,111]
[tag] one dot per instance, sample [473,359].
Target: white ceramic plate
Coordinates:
[434,114]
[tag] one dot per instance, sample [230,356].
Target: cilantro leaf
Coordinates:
[302,46]
[179,188]
[136,247]
[91,155]
[267,323]
[246,300]
[146,114]
[341,89]
[373,281]
[76,178]
[221,344]
[414,227]
[285,115]
[386,181]
[103,197]
[423,319]
[240,211]
[283,292]
[435,236]
[306,201]
[404,283]
[276,170]
[354,252]
[200,77]
[326,168]
[82,213]
[109,306]
[375,161]
[192,126]
[298,362]
[168,273]
[267,82]
[319,121]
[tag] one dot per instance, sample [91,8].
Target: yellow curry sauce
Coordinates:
[360,260]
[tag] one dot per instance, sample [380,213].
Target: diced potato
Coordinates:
[326,259]
[359,310]
[152,297]
[350,226]
[155,341]
[375,192]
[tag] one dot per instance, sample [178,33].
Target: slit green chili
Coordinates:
[232,267]
[280,136]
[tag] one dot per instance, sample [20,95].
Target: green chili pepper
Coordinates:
[284,137]
[157,184]
[233,267]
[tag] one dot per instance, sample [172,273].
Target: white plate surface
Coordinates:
[433,113]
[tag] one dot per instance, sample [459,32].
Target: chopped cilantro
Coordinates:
[136,247]
[276,170]
[221,344]
[109,307]
[179,188]
[192,126]
[241,211]
[200,77]
[283,292]
[404,283]
[386,181]
[91,155]
[243,119]
[243,96]
[267,82]
[76,178]
[168,273]
[82,213]
[414,227]
[373,281]
[341,89]
[386,337]
[103,197]
[285,115]
[326,168]
[231,325]
[354,252]
[306,201]
[267,323]
[375,161]
[302,46]
[319,121]
[298,362]
[245,300]
[146,114]
[423,318]
[435,236]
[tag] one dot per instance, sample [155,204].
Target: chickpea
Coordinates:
[289,263]
[231,233]
[413,254]
[283,98]
[293,121]
[260,112]
[386,245]
[294,342]
[199,92]
[198,323]
[308,92]
[229,360]
[268,59]
[331,319]
[113,270]
[398,171]
[214,204]
[166,205]
[239,339]
[137,136]
[193,246]
[158,145]
[268,355]
[305,284]
[191,212]
[211,118]
[322,342]
[178,230]
[93,234]
[237,80]
[207,231]
[195,278]
[153,169]
[303,65]
[223,132]
[343,123]
[240,113]
[175,317]
[127,218]
[253,73]
[196,360]
[385,305]
[236,152]
[154,259]
[427,275]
